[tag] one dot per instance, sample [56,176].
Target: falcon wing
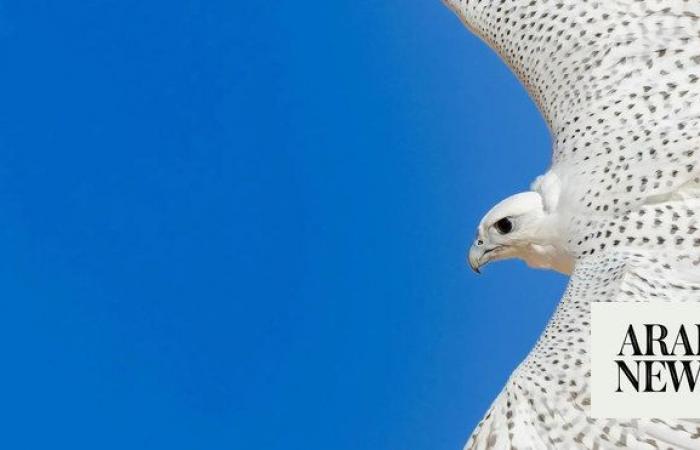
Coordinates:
[583,58]
[546,402]
[618,83]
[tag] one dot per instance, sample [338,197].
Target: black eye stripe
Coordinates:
[504,225]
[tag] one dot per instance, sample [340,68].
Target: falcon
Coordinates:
[618,84]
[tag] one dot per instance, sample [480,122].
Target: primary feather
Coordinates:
[618,83]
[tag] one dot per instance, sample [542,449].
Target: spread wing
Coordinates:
[625,61]
[618,83]
[546,402]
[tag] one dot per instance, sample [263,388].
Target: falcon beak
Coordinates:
[480,255]
[474,258]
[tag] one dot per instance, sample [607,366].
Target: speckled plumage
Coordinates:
[618,83]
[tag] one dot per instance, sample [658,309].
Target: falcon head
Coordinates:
[519,227]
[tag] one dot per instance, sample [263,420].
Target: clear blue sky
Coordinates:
[243,225]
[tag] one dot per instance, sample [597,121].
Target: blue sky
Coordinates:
[243,225]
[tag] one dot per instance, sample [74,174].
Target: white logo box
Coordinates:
[664,381]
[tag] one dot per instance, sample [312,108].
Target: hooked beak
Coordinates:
[480,255]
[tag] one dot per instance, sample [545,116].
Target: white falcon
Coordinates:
[618,83]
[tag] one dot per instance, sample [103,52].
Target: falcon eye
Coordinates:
[504,226]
